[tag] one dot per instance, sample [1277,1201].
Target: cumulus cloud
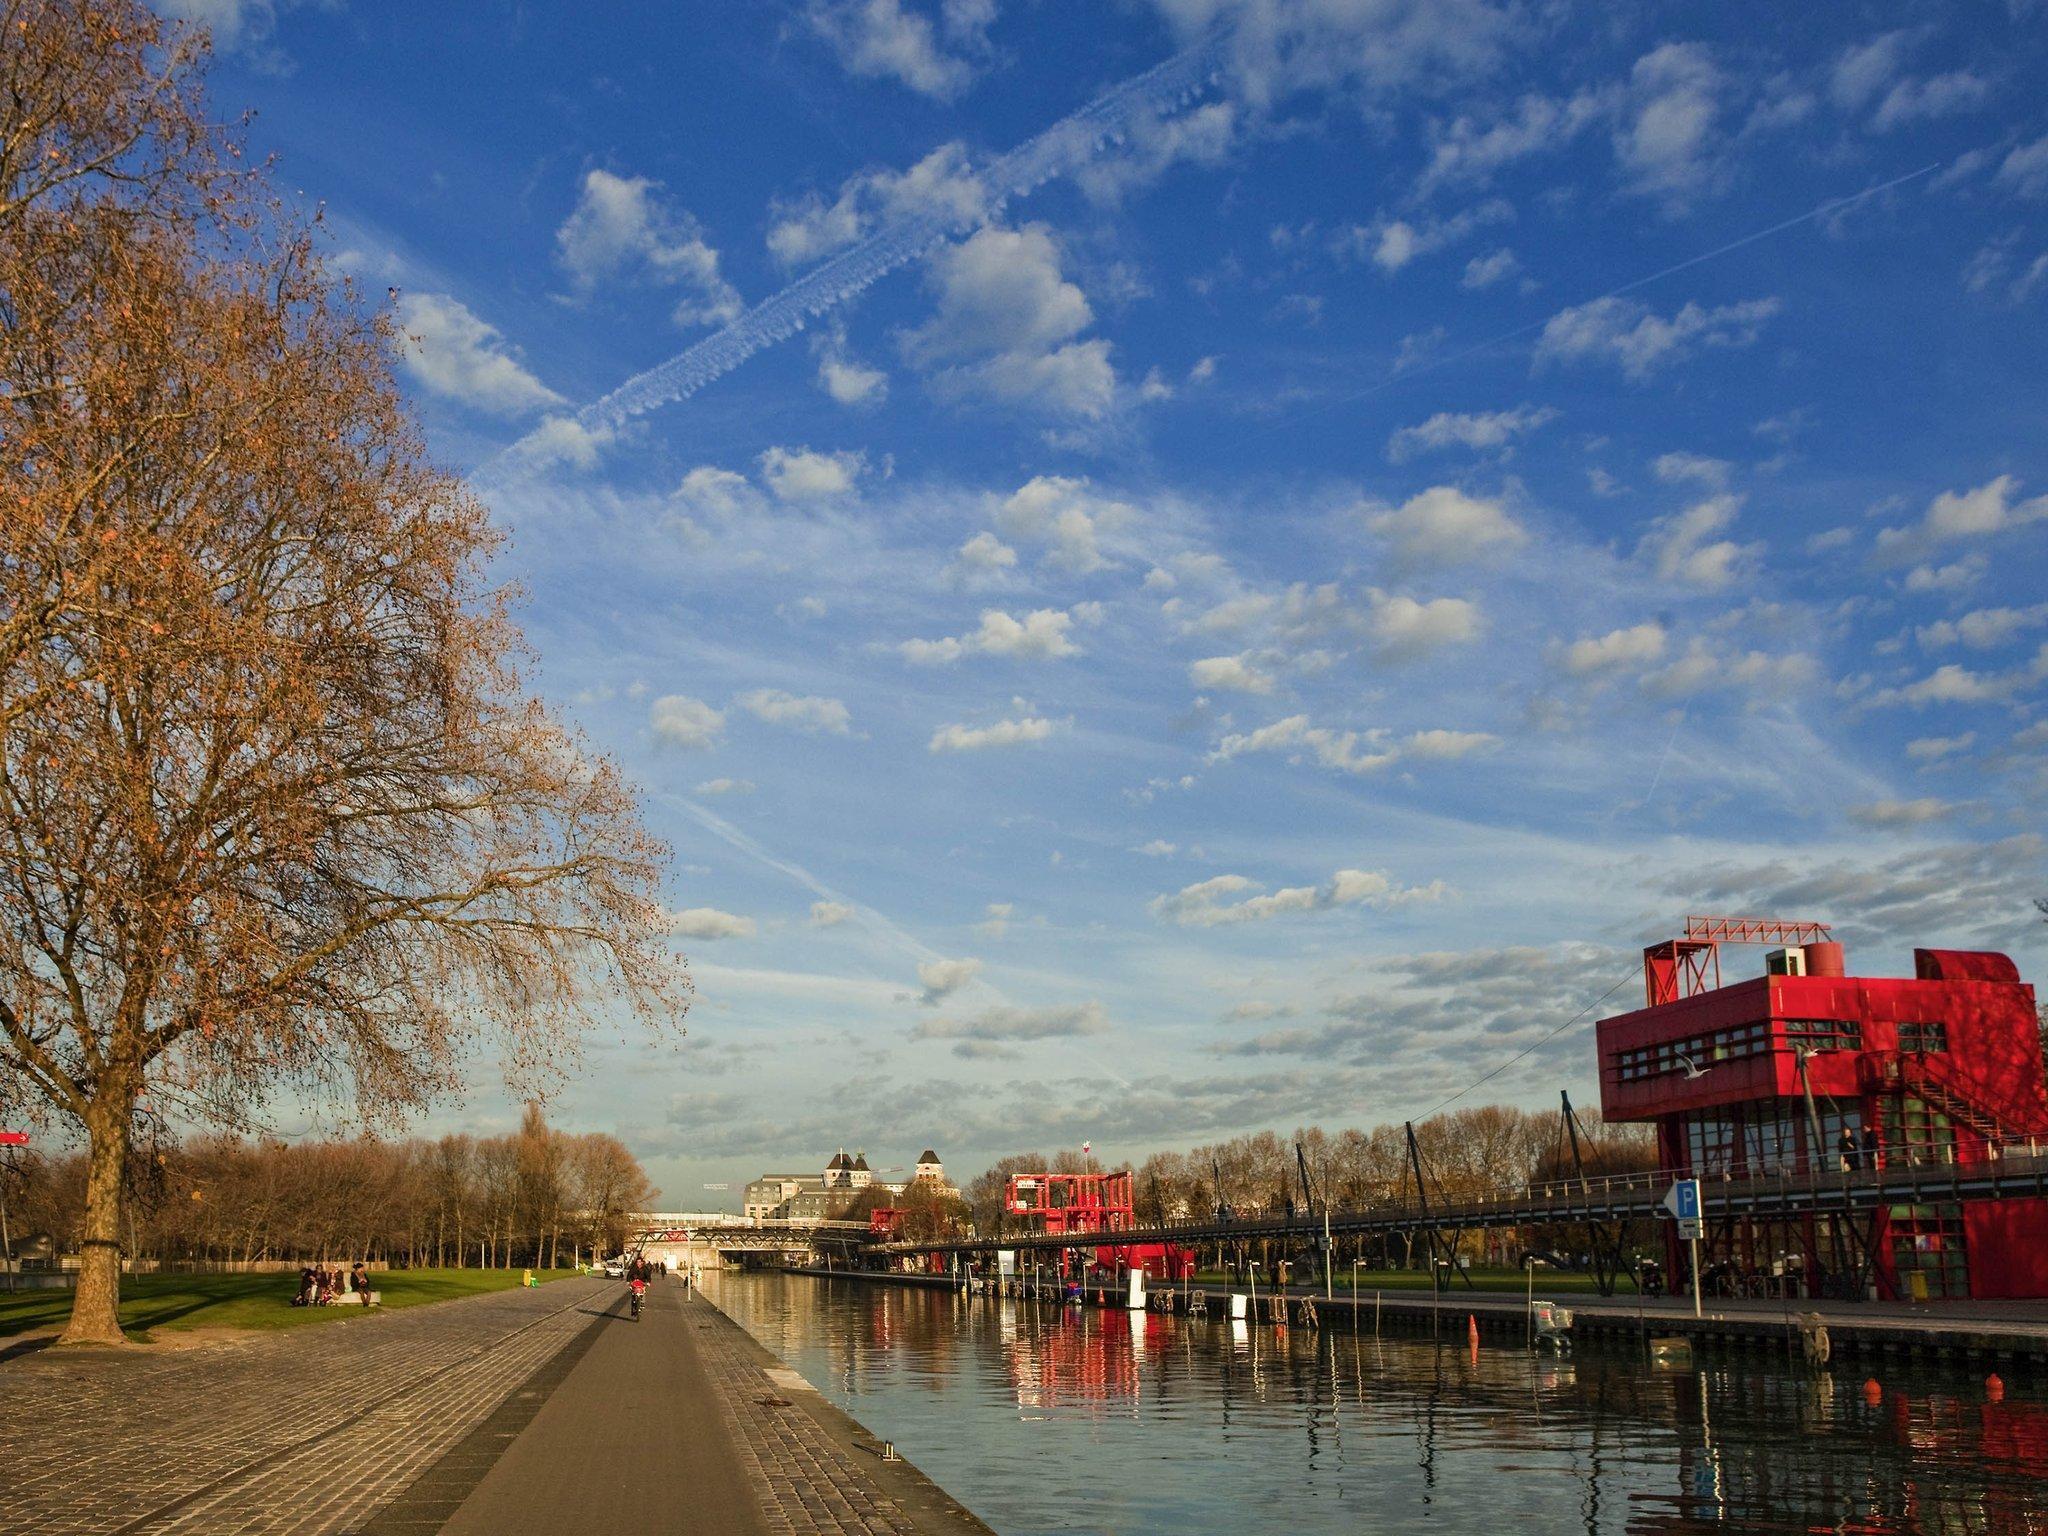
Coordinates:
[682,721]
[1004,733]
[1222,900]
[1667,142]
[1479,430]
[883,39]
[940,979]
[2025,168]
[1639,341]
[1005,326]
[1229,674]
[708,491]
[1066,517]
[1297,736]
[1703,669]
[1683,547]
[621,229]
[799,474]
[829,914]
[1981,629]
[1949,684]
[851,383]
[943,186]
[1155,144]
[707,923]
[1443,526]
[1014,1024]
[802,713]
[1467,149]
[1392,244]
[1040,635]
[1618,649]
[1485,271]
[453,353]
[726,787]
[1405,629]
[1987,510]
[986,553]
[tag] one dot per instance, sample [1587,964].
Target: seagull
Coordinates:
[1692,1068]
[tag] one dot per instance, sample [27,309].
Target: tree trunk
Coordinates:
[96,1305]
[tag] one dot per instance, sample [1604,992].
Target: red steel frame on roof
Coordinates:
[1679,968]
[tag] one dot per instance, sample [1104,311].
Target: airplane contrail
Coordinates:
[1061,150]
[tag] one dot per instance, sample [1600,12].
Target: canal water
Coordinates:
[1044,1419]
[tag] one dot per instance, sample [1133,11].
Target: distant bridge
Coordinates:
[2019,1172]
[704,1235]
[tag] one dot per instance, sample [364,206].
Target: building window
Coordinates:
[1923,1036]
[1701,1051]
[1915,1132]
[1824,1034]
[1929,1255]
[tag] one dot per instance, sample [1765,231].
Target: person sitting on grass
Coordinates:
[308,1288]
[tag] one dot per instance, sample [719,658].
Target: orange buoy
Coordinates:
[1873,1394]
[1994,1389]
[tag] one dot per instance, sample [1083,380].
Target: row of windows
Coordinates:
[1824,1034]
[1763,1137]
[1698,1051]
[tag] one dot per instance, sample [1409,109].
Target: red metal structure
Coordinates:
[1810,1069]
[1093,1202]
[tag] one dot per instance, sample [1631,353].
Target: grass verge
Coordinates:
[177,1303]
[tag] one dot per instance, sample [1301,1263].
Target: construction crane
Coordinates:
[1681,967]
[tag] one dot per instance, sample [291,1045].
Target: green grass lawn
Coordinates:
[1404,1280]
[177,1302]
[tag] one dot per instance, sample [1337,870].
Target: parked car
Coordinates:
[615,1269]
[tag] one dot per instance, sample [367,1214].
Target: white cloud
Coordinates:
[1479,430]
[1005,324]
[1667,143]
[1966,572]
[1229,674]
[1639,341]
[1485,271]
[1636,646]
[1446,746]
[1155,144]
[1205,904]
[1066,517]
[1982,629]
[852,383]
[2025,168]
[682,721]
[1443,526]
[1463,150]
[986,552]
[1673,468]
[620,229]
[943,186]
[453,353]
[726,787]
[719,493]
[807,713]
[1683,548]
[799,474]
[1862,71]
[881,39]
[830,914]
[1158,848]
[1392,244]
[1702,669]
[1344,751]
[995,920]
[565,440]
[1404,629]
[1949,684]
[1901,813]
[942,978]
[1982,512]
[1004,733]
[707,923]
[1040,635]
[1010,1023]
[1932,749]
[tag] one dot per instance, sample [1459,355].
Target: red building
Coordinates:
[1808,1068]
[1093,1202]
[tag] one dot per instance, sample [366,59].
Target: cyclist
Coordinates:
[637,1275]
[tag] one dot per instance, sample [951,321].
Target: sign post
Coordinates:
[1683,1202]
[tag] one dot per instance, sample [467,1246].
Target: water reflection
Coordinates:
[1046,1419]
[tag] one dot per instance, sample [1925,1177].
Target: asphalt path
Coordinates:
[632,1438]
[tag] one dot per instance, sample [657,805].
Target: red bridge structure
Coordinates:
[1095,1204]
[1806,1067]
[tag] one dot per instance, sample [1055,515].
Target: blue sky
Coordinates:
[1256,620]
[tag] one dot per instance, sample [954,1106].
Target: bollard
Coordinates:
[1994,1389]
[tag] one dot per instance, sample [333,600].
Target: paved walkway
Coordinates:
[528,1410]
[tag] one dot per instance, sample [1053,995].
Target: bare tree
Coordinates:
[277,811]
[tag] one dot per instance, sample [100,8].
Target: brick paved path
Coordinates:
[526,1410]
[304,1430]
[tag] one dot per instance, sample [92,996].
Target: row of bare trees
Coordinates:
[537,1197]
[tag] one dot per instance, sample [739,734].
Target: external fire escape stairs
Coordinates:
[1940,1085]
